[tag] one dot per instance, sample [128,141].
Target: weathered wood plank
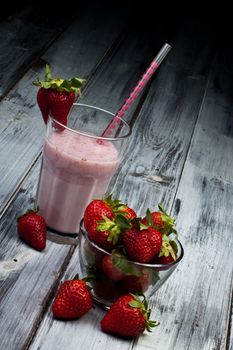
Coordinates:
[159,141]
[23,37]
[21,126]
[195,308]
[34,316]
[27,277]
[84,333]
[22,133]
[138,58]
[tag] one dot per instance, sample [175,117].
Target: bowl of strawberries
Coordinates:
[122,253]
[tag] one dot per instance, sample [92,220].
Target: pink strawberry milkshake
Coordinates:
[75,169]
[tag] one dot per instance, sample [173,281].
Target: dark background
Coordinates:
[155,16]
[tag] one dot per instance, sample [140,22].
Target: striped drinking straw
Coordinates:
[137,90]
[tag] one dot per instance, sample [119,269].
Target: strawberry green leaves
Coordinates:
[143,306]
[68,85]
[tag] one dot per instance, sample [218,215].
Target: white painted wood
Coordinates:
[33,180]
[27,277]
[22,133]
[195,304]
[141,185]
[83,333]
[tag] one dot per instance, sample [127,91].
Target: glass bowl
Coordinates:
[111,275]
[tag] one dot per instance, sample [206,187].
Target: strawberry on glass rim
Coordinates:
[56,96]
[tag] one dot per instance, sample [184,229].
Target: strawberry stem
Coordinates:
[48,76]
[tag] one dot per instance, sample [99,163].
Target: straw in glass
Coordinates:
[137,90]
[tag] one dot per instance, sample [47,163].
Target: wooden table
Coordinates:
[180,153]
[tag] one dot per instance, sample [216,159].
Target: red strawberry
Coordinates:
[142,245]
[103,223]
[100,237]
[156,218]
[31,228]
[127,317]
[135,284]
[73,299]
[42,101]
[59,104]
[127,212]
[160,220]
[106,290]
[168,252]
[165,259]
[120,208]
[97,212]
[110,270]
[56,96]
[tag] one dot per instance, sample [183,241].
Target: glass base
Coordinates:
[64,234]
[100,303]
[61,237]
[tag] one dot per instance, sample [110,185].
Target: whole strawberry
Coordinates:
[103,221]
[168,252]
[106,289]
[31,228]
[127,317]
[142,242]
[96,213]
[124,210]
[109,268]
[56,96]
[135,284]
[73,299]
[160,220]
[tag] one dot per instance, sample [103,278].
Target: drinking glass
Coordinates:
[78,164]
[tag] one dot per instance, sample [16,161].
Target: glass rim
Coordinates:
[104,138]
[168,265]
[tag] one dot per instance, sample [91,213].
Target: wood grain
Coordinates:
[22,133]
[27,277]
[180,153]
[34,175]
[198,296]
[23,37]
[160,142]
[21,127]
